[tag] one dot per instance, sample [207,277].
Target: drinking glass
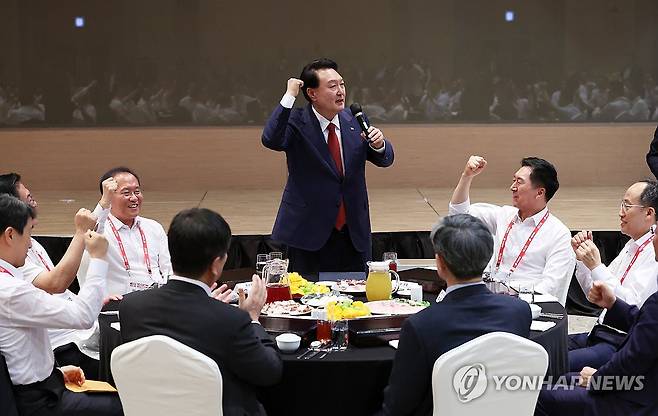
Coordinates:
[526,291]
[392,258]
[261,259]
[339,335]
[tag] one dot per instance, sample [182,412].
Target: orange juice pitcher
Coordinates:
[378,284]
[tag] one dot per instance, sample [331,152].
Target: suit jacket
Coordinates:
[464,314]
[652,155]
[312,195]
[245,354]
[637,356]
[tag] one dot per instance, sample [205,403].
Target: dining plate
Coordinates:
[396,307]
[350,286]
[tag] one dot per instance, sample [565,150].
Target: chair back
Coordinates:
[159,376]
[495,374]
[7,400]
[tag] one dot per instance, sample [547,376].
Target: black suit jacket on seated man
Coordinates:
[245,354]
[464,314]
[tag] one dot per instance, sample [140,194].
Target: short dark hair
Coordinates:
[649,196]
[464,243]
[110,173]
[14,213]
[9,184]
[309,75]
[196,237]
[543,174]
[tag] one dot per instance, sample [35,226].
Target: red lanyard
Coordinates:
[5,271]
[525,246]
[637,253]
[45,264]
[145,247]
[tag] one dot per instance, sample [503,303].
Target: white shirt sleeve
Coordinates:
[164,258]
[101,215]
[559,267]
[584,276]
[643,275]
[287,101]
[31,270]
[487,213]
[28,306]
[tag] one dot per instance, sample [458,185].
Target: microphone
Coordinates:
[357,112]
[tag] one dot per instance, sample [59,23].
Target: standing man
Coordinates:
[547,260]
[323,216]
[631,275]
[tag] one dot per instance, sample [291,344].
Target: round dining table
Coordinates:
[317,384]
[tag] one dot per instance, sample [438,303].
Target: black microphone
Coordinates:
[357,112]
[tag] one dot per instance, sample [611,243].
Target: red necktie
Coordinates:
[334,149]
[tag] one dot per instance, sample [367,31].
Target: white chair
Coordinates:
[465,379]
[160,376]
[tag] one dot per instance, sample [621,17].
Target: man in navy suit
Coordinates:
[463,247]
[323,216]
[602,391]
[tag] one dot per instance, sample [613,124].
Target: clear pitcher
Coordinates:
[379,284]
[275,274]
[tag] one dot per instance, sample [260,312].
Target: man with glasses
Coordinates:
[631,275]
[546,261]
[138,254]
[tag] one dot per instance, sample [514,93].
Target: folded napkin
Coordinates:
[394,343]
[541,325]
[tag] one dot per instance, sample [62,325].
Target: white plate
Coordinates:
[393,307]
[360,288]
[322,300]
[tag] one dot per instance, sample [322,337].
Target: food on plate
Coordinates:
[301,286]
[350,286]
[397,306]
[285,307]
[346,310]
[320,300]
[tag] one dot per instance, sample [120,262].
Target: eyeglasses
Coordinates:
[626,206]
[127,194]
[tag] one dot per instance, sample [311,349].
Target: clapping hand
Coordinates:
[585,375]
[580,238]
[253,303]
[601,295]
[222,293]
[589,254]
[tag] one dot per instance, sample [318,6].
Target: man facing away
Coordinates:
[463,246]
[546,261]
[184,310]
[323,217]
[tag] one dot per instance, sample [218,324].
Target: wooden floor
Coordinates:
[391,209]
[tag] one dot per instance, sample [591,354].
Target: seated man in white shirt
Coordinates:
[631,275]
[138,254]
[546,261]
[25,314]
[42,273]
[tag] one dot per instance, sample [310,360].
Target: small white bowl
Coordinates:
[535,310]
[288,342]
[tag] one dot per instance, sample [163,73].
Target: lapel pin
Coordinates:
[352,128]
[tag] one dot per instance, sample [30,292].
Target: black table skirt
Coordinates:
[357,376]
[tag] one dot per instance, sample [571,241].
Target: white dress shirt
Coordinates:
[119,280]
[288,101]
[26,312]
[192,282]
[549,261]
[35,264]
[640,282]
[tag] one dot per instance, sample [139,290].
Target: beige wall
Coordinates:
[233,158]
